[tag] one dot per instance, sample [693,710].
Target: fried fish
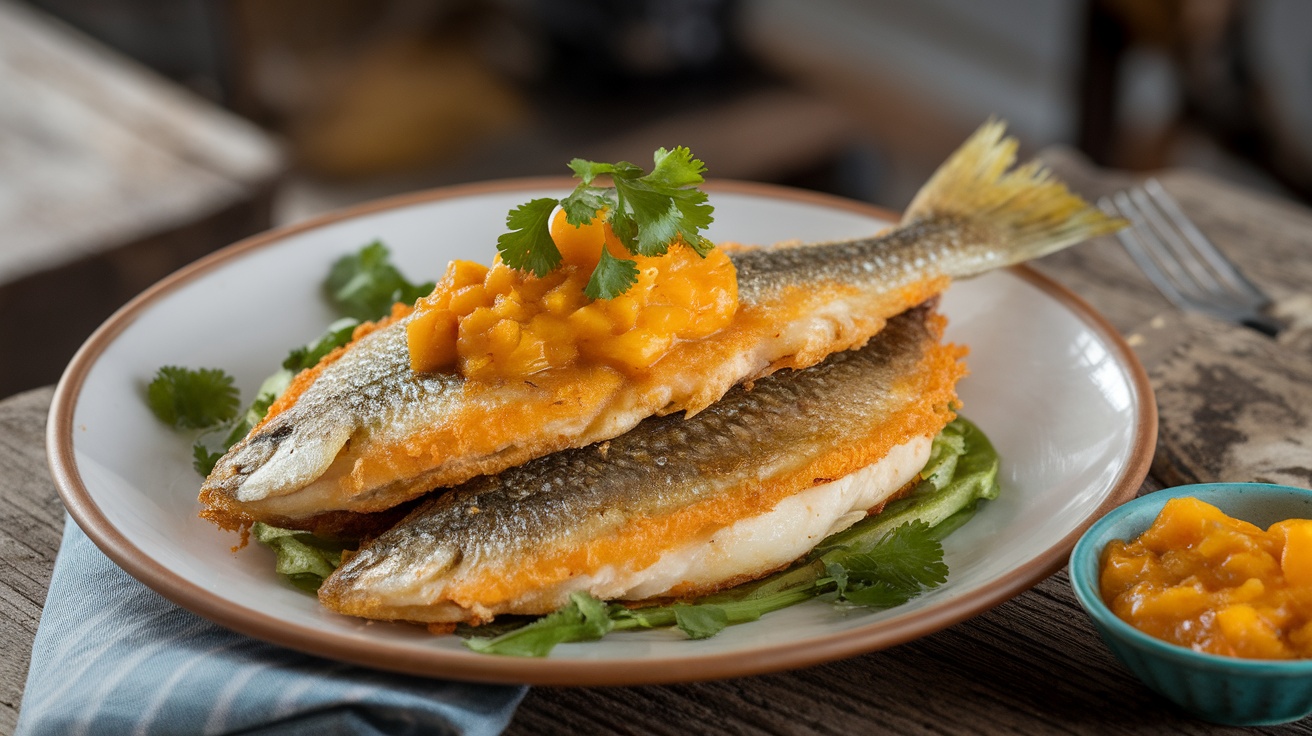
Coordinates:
[674,507]
[362,432]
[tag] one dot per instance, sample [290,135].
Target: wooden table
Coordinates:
[1234,405]
[111,178]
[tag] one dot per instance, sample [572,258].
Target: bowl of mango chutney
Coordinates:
[1205,593]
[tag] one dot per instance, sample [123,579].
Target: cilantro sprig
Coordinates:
[189,398]
[647,211]
[364,285]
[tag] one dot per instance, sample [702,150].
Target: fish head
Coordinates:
[278,458]
[411,572]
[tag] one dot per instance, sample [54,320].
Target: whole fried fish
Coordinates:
[674,507]
[364,433]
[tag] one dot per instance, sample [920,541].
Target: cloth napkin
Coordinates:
[112,656]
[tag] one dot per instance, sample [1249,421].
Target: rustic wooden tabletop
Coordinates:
[1234,405]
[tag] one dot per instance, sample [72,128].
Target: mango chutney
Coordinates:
[1204,580]
[502,323]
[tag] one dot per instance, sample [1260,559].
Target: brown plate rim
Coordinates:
[476,667]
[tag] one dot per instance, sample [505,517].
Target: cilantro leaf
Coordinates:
[584,618]
[590,170]
[203,460]
[700,622]
[306,560]
[909,556]
[192,399]
[647,218]
[583,204]
[307,356]
[365,284]
[880,594]
[528,246]
[612,277]
[660,207]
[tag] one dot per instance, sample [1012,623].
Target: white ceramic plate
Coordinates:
[1061,396]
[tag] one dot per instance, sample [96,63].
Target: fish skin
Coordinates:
[749,450]
[888,261]
[369,433]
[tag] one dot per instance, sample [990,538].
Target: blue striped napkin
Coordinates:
[113,657]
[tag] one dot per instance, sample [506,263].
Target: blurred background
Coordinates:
[138,135]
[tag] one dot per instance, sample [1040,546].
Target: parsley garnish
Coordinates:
[192,399]
[647,211]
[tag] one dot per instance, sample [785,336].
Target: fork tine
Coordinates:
[1182,263]
[1139,251]
[1221,265]
[1172,248]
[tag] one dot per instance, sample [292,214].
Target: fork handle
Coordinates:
[1268,326]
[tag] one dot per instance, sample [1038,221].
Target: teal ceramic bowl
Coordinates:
[1229,690]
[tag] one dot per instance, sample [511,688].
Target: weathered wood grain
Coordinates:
[1234,405]
[109,150]
[31,521]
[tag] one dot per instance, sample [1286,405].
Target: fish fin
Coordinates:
[1034,213]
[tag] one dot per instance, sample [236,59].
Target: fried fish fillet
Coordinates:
[676,506]
[363,432]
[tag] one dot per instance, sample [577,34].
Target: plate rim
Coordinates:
[479,667]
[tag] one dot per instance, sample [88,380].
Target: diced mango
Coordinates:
[503,337]
[590,323]
[511,323]
[467,299]
[431,338]
[636,349]
[501,279]
[460,274]
[664,319]
[578,245]
[1296,551]
[1202,579]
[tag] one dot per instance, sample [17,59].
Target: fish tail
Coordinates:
[1032,213]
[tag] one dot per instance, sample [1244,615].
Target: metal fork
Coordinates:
[1182,263]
